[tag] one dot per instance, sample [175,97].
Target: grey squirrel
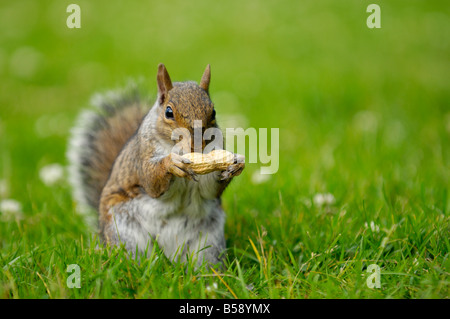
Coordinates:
[122,165]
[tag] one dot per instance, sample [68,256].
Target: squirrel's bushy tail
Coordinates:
[97,139]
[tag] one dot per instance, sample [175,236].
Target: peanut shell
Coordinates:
[215,160]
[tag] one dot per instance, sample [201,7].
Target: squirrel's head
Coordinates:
[185,106]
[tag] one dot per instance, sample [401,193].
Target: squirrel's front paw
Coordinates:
[234,169]
[179,166]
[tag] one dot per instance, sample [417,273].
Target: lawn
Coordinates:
[364,147]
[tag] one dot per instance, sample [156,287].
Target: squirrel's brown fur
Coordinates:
[96,141]
[123,161]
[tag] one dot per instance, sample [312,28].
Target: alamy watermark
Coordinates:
[374,279]
[258,143]
[74,280]
[374,19]
[74,19]
[205,141]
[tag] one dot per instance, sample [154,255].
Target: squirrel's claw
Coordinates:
[232,171]
[180,167]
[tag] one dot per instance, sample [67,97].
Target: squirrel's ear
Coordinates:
[164,83]
[204,83]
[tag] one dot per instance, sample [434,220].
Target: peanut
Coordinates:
[216,160]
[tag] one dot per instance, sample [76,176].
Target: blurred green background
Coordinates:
[345,97]
[363,113]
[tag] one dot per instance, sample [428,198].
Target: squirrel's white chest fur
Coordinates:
[187,218]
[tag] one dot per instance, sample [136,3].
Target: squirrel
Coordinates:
[121,164]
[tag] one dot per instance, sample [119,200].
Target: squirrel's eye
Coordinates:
[213,117]
[169,113]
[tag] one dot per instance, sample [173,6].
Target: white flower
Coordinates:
[10,209]
[374,227]
[51,174]
[10,206]
[209,288]
[258,178]
[323,199]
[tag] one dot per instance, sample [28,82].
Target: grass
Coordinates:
[363,115]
